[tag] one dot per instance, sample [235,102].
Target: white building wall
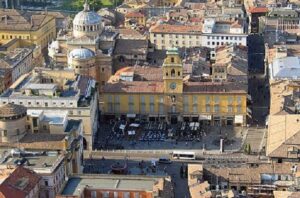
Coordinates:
[214,40]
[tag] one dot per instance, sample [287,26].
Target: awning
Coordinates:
[134,125]
[131,132]
[122,127]
[131,115]
[153,115]
[204,117]
[249,111]
[238,119]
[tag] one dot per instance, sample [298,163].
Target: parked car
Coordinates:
[164,160]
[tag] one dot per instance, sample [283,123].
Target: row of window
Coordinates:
[87,28]
[208,108]
[216,109]
[216,99]
[225,37]
[177,36]
[4,132]
[45,104]
[208,99]
[171,42]
[106,194]
[221,43]
[219,70]
[15,36]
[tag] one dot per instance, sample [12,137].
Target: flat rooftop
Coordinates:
[34,159]
[115,182]
[288,67]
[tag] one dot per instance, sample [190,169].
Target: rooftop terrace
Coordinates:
[76,184]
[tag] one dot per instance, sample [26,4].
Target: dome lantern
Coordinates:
[86,6]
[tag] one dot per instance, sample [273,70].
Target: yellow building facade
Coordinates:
[137,18]
[30,28]
[164,94]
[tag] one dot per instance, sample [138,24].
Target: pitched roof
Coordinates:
[214,87]
[43,141]
[131,46]
[129,33]
[12,19]
[134,87]
[167,28]
[9,110]
[258,10]
[246,174]
[20,183]
[283,135]
[134,15]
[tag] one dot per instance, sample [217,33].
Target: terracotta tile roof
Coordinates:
[129,33]
[20,183]
[237,24]
[150,73]
[258,10]
[134,15]
[9,110]
[131,46]
[185,29]
[189,87]
[214,87]
[283,134]
[43,141]
[20,20]
[134,87]
[246,174]
[278,94]
[150,80]
[195,19]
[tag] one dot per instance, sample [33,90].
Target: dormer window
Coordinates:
[172,60]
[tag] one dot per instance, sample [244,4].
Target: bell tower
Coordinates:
[172,72]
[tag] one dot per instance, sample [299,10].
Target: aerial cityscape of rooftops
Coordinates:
[149,98]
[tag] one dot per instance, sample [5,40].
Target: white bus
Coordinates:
[184,155]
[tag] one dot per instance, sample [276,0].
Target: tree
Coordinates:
[247,149]
[78,4]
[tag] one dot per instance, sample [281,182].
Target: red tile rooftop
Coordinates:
[258,10]
[134,15]
[167,28]
[20,183]
[189,87]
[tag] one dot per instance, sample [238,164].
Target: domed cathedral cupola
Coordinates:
[172,72]
[87,23]
[82,60]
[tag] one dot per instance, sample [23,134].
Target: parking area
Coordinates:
[160,135]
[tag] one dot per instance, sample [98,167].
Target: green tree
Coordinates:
[247,149]
[78,4]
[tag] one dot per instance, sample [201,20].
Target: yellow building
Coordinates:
[163,93]
[136,18]
[168,3]
[32,28]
